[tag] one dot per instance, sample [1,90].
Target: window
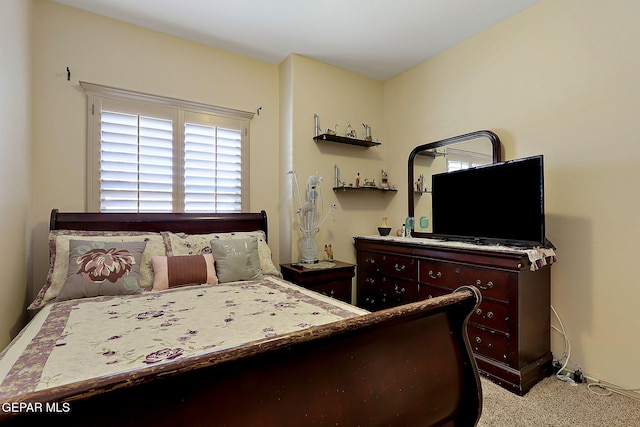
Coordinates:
[461,159]
[153,154]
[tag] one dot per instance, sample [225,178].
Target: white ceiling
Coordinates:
[375,38]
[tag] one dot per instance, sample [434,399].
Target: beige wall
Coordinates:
[560,79]
[108,52]
[338,97]
[15,149]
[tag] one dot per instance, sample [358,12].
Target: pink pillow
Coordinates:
[183,270]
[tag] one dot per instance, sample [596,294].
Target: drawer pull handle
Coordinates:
[400,290]
[435,276]
[400,268]
[478,340]
[489,313]
[370,261]
[369,280]
[479,284]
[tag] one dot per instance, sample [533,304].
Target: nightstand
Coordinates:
[331,281]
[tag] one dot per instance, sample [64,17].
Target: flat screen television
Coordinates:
[500,203]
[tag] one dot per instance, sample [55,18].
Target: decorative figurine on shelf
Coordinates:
[329,252]
[358,180]
[316,120]
[350,132]
[419,184]
[385,180]
[367,132]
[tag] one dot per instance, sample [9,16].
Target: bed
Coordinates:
[245,350]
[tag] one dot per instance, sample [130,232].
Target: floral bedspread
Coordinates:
[83,339]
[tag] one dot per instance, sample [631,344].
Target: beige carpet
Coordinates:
[555,403]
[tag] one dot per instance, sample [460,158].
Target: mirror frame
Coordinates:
[496,154]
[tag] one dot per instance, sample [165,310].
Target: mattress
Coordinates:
[78,340]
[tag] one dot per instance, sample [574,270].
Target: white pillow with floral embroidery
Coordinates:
[59,258]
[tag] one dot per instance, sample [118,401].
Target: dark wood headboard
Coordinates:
[192,223]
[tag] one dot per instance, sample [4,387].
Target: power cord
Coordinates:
[596,387]
[566,355]
[601,389]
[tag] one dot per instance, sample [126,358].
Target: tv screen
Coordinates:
[501,203]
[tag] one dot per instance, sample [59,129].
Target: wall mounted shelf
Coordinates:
[433,153]
[345,140]
[351,189]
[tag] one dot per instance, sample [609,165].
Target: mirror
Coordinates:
[459,152]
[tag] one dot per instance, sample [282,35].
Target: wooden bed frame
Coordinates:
[409,365]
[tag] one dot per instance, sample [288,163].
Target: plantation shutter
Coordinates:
[212,165]
[136,163]
[154,154]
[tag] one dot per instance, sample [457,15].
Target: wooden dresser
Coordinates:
[510,331]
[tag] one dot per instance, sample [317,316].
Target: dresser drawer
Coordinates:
[398,266]
[428,291]
[370,261]
[490,314]
[493,315]
[402,290]
[375,290]
[492,283]
[489,343]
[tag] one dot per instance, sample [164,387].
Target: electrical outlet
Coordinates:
[557,367]
[577,375]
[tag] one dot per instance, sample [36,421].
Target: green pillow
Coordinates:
[236,259]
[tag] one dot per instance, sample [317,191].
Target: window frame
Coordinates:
[177,109]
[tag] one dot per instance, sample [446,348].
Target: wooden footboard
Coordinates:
[409,365]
